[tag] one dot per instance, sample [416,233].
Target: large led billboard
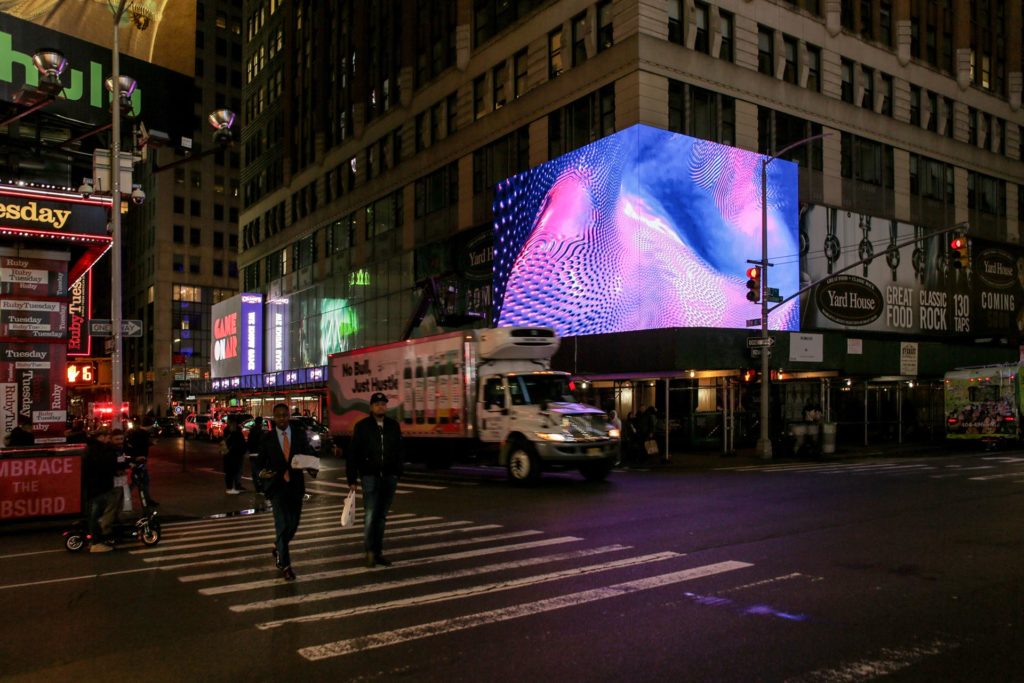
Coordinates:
[238,336]
[643,229]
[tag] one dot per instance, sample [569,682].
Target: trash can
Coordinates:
[828,438]
[799,431]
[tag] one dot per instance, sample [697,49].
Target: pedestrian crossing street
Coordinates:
[981,469]
[437,560]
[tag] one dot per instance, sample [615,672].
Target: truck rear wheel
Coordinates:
[523,463]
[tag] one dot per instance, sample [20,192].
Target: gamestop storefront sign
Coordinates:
[237,336]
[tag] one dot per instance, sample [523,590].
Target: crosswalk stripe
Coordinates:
[251,529]
[303,531]
[298,541]
[242,518]
[401,534]
[336,573]
[420,580]
[355,556]
[480,589]
[388,638]
[265,523]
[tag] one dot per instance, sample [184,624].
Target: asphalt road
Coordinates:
[902,569]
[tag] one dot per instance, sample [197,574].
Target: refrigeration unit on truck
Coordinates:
[983,403]
[489,389]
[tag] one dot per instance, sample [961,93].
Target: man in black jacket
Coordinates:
[282,484]
[376,455]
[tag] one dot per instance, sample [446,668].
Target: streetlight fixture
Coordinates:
[222,120]
[50,64]
[764,442]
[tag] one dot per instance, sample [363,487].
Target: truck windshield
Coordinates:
[537,389]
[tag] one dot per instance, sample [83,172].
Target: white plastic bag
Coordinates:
[348,511]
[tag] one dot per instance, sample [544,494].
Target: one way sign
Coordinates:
[99,327]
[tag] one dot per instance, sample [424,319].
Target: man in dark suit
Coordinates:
[376,455]
[284,486]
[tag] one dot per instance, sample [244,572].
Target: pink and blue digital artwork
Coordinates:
[643,229]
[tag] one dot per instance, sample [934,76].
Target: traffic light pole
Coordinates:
[764,443]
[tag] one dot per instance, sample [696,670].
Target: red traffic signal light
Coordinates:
[958,252]
[754,284]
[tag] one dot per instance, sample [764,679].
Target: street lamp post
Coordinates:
[764,442]
[117,90]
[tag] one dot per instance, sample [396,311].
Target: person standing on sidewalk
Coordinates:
[100,466]
[284,486]
[234,457]
[375,455]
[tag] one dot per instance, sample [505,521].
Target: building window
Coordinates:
[478,97]
[675,21]
[867,161]
[555,65]
[702,42]
[933,112]
[791,72]
[218,240]
[986,194]
[915,106]
[885,22]
[194,237]
[436,191]
[867,77]
[766,50]
[179,205]
[604,25]
[725,23]
[218,268]
[178,263]
[947,104]
[193,265]
[846,89]
[579,35]
[451,113]
[179,234]
[972,126]
[589,118]
[777,131]
[499,76]
[420,123]
[701,113]
[519,77]
[813,68]
[886,94]
[195,208]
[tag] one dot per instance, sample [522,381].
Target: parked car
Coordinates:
[317,433]
[197,426]
[166,426]
[219,425]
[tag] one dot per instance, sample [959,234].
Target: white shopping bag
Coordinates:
[348,512]
[121,481]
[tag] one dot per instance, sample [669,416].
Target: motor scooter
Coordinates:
[145,529]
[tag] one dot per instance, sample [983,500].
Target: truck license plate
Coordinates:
[593,451]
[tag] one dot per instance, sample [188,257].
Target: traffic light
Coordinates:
[958,256]
[754,284]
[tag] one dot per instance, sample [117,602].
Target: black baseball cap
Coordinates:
[378,398]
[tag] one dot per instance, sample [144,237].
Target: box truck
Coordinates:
[491,390]
[983,402]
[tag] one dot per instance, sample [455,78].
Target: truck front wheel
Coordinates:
[523,463]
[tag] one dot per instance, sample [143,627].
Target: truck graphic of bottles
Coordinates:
[420,385]
[408,394]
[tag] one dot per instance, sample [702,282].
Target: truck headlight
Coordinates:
[314,438]
[613,433]
[552,436]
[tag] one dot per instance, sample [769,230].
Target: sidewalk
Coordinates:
[709,459]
